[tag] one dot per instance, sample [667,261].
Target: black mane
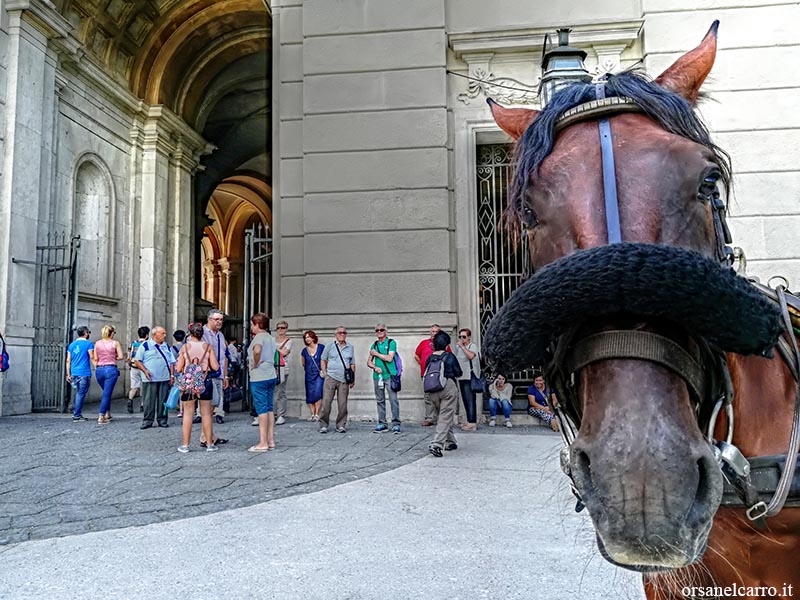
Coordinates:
[671,111]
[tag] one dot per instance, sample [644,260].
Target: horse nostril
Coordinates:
[704,496]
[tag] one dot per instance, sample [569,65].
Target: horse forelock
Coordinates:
[671,111]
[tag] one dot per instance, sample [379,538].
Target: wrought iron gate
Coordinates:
[54,315]
[257,289]
[501,265]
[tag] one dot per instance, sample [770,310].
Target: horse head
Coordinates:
[639,461]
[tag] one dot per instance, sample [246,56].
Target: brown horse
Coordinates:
[641,461]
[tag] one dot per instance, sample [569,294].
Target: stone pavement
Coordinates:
[61,478]
[493,519]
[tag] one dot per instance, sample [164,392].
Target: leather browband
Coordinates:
[595,109]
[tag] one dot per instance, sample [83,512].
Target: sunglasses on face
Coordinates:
[380,329]
[463,337]
[341,333]
[281,327]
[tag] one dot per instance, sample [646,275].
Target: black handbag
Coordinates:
[395,383]
[476,384]
[349,376]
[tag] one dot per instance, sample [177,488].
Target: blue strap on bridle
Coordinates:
[609,174]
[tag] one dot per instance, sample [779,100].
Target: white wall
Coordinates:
[752,112]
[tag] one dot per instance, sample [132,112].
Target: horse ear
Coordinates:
[514,121]
[688,73]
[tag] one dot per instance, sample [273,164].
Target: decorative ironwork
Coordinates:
[502,265]
[505,90]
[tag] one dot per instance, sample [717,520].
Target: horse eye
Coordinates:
[529,217]
[709,185]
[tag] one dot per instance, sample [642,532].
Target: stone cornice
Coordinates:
[44,15]
[531,39]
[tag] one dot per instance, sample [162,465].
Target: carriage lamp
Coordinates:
[561,66]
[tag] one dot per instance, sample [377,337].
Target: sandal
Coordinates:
[254,449]
[217,442]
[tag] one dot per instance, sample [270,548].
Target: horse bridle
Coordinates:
[704,369]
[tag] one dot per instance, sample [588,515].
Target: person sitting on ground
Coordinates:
[538,406]
[195,359]
[500,393]
[445,400]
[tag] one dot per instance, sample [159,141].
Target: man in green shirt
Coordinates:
[381,361]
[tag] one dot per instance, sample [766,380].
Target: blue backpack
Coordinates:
[3,356]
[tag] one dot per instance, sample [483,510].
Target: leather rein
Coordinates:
[764,484]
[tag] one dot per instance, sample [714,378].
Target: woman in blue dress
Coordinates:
[310,357]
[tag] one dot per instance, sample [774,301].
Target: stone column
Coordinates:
[29,113]
[156,150]
[170,150]
[180,302]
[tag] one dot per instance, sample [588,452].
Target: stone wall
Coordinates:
[364,222]
[752,112]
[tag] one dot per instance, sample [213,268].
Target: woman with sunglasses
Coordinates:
[310,359]
[470,362]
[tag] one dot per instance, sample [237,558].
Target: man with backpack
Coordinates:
[441,373]
[382,355]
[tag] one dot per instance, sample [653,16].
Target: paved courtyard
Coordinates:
[61,478]
[355,516]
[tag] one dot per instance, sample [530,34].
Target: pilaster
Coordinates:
[29,114]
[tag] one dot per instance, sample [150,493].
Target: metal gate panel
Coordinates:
[55,305]
[501,264]
[257,289]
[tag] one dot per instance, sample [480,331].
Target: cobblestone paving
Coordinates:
[60,478]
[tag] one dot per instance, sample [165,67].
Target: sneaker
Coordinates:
[130,406]
[280,421]
[451,446]
[212,448]
[395,429]
[79,419]
[197,419]
[323,430]
[180,415]
[341,430]
[492,423]
[219,420]
[316,418]
[183,449]
[436,451]
[255,422]
[508,424]
[427,423]
[141,408]
[381,428]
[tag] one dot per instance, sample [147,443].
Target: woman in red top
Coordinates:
[107,351]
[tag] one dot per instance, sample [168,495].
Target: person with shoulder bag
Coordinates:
[135,374]
[441,373]
[470,383]
[339,372]
[382,362]
[263,379]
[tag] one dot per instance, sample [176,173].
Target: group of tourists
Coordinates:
[200,369]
